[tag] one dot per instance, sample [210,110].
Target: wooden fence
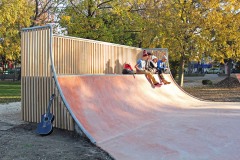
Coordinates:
[70,55]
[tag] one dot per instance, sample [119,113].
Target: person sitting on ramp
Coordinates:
[140,69]
[161,68]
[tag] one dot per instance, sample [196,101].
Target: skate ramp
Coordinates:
[238,77]
[131,119]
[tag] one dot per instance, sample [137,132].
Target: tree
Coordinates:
[15,15]
[188,28]
[224,32]
[120,22]
[87,19]
[46,11]
[179,28]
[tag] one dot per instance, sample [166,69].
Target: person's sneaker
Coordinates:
[167,82]
[157,85]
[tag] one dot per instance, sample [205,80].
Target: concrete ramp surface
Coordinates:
[132,120]
[238,77]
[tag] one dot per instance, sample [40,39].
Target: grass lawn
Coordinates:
[10,91]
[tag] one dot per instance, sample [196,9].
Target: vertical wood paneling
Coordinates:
[23,74]
[34,75]
[28,68]
[36,82]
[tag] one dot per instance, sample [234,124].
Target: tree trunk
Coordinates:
[181,72]
[229,67]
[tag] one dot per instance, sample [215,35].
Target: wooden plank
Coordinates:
[23,50]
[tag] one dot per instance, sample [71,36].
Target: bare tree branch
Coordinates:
[76,8]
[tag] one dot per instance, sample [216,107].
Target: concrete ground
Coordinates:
[10,115]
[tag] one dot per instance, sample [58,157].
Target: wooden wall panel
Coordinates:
[37,84]
[83,56]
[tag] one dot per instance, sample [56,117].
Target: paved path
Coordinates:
[10,115]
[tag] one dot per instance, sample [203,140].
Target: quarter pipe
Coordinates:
[131,119]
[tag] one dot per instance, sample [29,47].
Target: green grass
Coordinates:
[10,91]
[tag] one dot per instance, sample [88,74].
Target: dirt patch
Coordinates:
[217,94]
[229,82]
[19,140]
[22,143]
[227,90]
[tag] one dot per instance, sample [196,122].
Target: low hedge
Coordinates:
[207,82]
